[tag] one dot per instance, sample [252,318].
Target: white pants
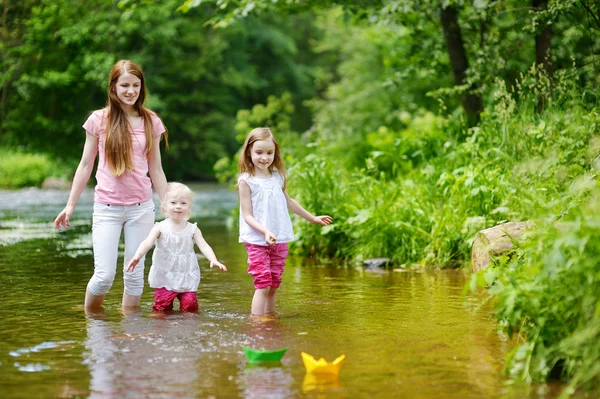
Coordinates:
[107,223]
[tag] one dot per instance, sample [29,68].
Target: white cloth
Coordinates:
[107,223]
[269,207]
[174,262]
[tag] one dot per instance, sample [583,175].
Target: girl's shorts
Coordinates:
[163,300]
[265,264]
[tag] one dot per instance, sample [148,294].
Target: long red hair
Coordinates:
[118,147]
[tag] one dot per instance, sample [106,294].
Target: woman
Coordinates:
[126,135]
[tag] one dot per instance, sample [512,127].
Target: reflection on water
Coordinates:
[404,334]
[265,381]
[320,382]
[135,358]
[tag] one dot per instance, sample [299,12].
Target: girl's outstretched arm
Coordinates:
[295,207]
[157,174]
[144,247]
[207,251]
[246,205]
[82,175]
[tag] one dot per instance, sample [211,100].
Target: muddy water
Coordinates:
[404,334]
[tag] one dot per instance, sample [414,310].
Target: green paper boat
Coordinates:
[255,356]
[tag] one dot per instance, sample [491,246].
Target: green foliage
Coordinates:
[374,86]
[421,195]
[315,185]
[399,152]
[516,165]
[19,170]
[198,78]
[385,149]
[276,115]
[548,294]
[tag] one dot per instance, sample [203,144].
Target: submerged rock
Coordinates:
[377,263]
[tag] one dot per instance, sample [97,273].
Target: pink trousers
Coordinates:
[265,264]
[163,300]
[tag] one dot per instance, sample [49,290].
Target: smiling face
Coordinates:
[262,155]
[177,207]
[128,89]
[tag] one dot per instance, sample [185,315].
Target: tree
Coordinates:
[471,102]
[229,12]
[198,78]
[543,51]
[14,18]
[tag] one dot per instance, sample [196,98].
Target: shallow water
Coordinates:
[404,334]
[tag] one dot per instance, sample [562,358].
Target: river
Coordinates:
[405,334]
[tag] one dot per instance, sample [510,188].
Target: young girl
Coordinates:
[126,136]
[265,225]
[175,272]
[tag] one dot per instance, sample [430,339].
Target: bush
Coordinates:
[548,293]
[24,170]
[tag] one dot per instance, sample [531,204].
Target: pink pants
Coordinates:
[266,264]
[163,300]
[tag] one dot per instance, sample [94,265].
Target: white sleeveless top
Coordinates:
[269,207]
[174,262]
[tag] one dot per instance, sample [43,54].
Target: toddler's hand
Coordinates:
[270,238]
[219,265]
[322,220]
[134,261]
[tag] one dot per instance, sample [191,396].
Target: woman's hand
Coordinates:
[62,220]
[322,220]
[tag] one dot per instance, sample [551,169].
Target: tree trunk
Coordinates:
[4,37]
[472,103]
[543,55]
[495,241]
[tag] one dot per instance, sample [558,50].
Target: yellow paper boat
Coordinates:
[321,366]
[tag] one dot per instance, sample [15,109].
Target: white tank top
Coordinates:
[269,207]
[174,262]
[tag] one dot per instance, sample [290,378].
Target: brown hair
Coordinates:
[245,162]
[118,146]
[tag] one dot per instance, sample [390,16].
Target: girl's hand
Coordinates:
[322,220]
[62,220]
[134,261]
[219,265]
[270,238]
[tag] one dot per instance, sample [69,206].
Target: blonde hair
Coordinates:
[118,147]
[245,163]
[177,190]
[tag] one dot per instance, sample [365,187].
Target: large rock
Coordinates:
[495,241]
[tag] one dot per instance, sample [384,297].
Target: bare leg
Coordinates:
[93,302]
[138,223]
[270,302]
[259,301]
[131,304]
[131,301]
[96,314]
